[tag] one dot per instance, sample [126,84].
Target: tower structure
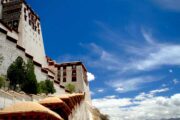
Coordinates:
[20,17]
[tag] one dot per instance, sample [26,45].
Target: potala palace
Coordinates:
[21,35]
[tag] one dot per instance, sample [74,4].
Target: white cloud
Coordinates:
[159,91]
[130,84]
[151,108]
[175,81]
[155,56]
[173,5]
[100,90]
[111,102]
[119,89]
[167,55]
[90,76]
[111,97]
[151,94]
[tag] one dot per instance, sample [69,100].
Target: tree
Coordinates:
[16,73]
[30,85]
[50,86]
[46,87]
[42,87]
[70,88]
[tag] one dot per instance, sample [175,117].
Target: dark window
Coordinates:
[35,28]
[74,79]
[64,79]
[25,17]
[64,67]
[15,24]
[29,15]
[30,22]
[5,118]
[10,24]
[39,31]
[25,10]
[14,118]
[74,73]
[64,73]
[38,25]
[23,118]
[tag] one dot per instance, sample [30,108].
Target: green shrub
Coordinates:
[22,75]
[70,87]
[46,87]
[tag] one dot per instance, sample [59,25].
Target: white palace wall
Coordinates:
[10,52]
[31,39]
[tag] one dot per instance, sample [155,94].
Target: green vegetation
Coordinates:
[46,87]
[22,76]
[16,73]
[2,81]
[30,85]
[70,88]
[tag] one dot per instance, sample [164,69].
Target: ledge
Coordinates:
[11,39]
[21,48]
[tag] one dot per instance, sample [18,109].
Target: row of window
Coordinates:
[73,79]
[13,24]
[65,74]
[32,21]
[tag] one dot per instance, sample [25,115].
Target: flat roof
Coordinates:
[72,63]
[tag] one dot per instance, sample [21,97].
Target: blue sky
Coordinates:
[132,48]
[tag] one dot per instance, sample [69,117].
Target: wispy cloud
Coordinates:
[151,55]
[173,5]
[166,55]
[153,92]
[131,84]
[101,58]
